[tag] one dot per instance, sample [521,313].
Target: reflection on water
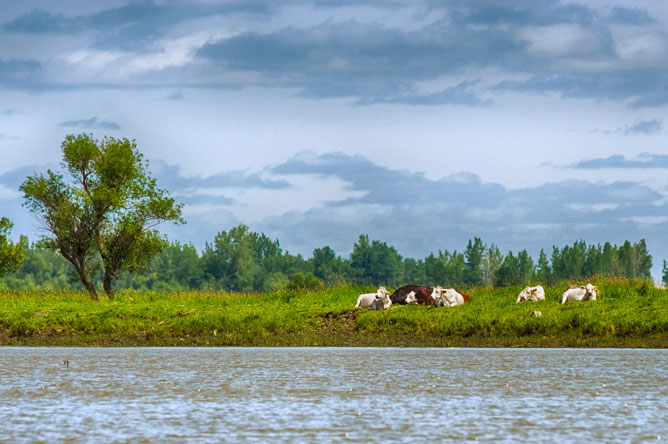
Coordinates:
[332,395]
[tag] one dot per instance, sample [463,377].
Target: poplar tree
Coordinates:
[103,211]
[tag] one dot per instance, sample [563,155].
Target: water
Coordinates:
[332,395]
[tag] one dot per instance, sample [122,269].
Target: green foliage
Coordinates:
[241,260]
[332,269]
[105,212]
[473,273]
[665,273]
[11,255]
[628,313]
[304,282]
[375,263]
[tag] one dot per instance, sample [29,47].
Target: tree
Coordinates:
[525,267]
[473,275]
[490,265]
[106,212]
[329,267]
[665,273]
[128,239]
[414,271]
[508,273]
[543,270]
[11,255]
[375,263]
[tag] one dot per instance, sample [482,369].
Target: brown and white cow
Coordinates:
[536,293]
[449,297]
[584,293]
[365,300]
[423,295]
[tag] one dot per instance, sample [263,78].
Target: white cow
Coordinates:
[410,298]
[365,300]
[447,297]
[381,302]
[536,293]
[584,293]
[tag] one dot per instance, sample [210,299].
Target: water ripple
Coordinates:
[332,395]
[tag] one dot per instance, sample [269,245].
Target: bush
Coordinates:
[307,282]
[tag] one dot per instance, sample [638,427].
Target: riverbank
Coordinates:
[627,314]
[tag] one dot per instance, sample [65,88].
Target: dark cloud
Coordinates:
[172,177]
[630,16]
[20,74]
[131,26]
[14,178]
[39,21]
[92,123]
[367,61]
[643,87]
[176,95]
[645,127]
[644,161]
[370,62]
[457,95]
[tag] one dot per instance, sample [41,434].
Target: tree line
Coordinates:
[100,216]
[240,260]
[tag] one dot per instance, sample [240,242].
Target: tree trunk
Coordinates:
[106,283]
[89,286]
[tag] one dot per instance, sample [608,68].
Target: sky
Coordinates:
[419,123]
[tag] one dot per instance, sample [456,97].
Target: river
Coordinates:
[322,395]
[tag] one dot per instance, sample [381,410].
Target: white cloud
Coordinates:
[593,207]
[647,220]
[561,40]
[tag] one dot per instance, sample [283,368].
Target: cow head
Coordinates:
[410,298]
[592,291]
[524,295]
[383,298]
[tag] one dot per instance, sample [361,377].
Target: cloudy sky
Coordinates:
[419,123]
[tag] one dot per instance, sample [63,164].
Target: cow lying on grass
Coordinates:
[423,295]
[365,300]
[448,297]
[381,302]
[536,293]
[584,293]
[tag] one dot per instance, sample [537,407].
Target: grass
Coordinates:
[627,314]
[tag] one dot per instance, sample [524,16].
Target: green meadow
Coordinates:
[626,314]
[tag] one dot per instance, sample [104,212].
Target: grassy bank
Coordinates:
[627,314]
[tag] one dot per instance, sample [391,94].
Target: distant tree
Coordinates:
[241,260]
[455,267]
[642,261]
[665,273]
[11,255]
[375,263]
[473,274]
[414,271]
[543,269]
[329,267]
[610,261]
[301,281]
[434,267]
[525,268]
[105,213]
[230,259]
[491,263]
[508,273]
[181,263]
